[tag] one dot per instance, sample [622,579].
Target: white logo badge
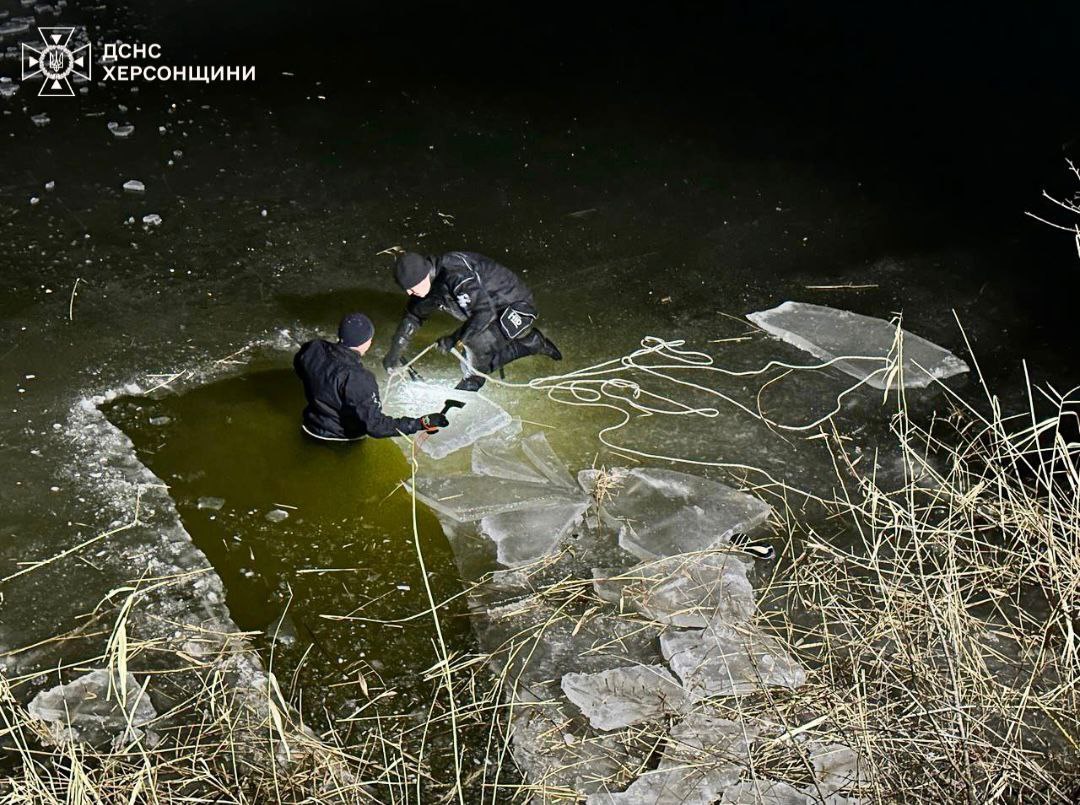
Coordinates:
[56,62]
[463,301]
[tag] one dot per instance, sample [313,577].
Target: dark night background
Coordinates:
[958,114]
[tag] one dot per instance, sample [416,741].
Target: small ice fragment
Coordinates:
[153,219]
[134,186]
[119,131]
[40,120]
[34,200]
[525,535]
[263,213]
[622,697]
[546,460]
[277,515]
[50,185]
[404,587]
[213,504]
[160,420]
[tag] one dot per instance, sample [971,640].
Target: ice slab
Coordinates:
[688,590]
[466,498]
[479,418]
[704,756]
[495,458]
[664,512]
[545,459]
[764,792]
[720,661]
[836,767]
[622,697]
[523,536]
[89,709]
[828,333]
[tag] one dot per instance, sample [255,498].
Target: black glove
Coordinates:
[432,422]
[447,343]
[391,361]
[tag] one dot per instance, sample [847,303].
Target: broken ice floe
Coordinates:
[40,120]
[622,697]
[494,458]
[545,459]
[523,536]
[688,590]
[723,661]
[92,709]
[479,418]
[827,333]
[211,503]
[277,515]
[134,186]
[664,513]
[153,219]
[466,498]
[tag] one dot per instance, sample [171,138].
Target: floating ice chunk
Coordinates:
[91,709]
[50,185]
[34,200]
[545,459]
[466,497]
[827,333]
[664,513]
[621,697]
[40,120]
[119,131]
[688,590]
[7,87]
[525,535]
[494,458]
[14,26]
[764,792]
[479,418]
[153,219]
[213,504]
[277,515]
[134,186]
[719,661]
[160,420]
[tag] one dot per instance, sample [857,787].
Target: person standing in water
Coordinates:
[495,305]
[342,395]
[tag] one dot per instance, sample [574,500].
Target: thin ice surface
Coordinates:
[524,535]
[622,697]
[719,661]
[495,458]
[465,497]
[827,333]
[479,418]
[545,459]
[688,590]
[664,513]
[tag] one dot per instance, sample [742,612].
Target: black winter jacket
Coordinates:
[342,396]
[471,288]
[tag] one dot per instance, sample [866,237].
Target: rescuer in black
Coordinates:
[342,396]
[494,303]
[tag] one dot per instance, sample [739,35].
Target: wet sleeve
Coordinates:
[362,395]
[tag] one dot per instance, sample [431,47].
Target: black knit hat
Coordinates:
[355,329]
[410,269]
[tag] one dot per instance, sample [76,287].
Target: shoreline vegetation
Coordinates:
[941,647]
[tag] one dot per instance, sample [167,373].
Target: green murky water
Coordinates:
[331,578]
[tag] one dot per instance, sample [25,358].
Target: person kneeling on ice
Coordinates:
[342,396]
[494,303]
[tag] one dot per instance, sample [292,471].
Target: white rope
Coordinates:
[608,384]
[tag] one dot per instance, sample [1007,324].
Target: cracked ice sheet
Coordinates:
[547,461]
[523,536]
[828,333]
[622,697]
[465,497]
[719,661]
[496,459]
[479,418]
[688,590]
[664,512]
